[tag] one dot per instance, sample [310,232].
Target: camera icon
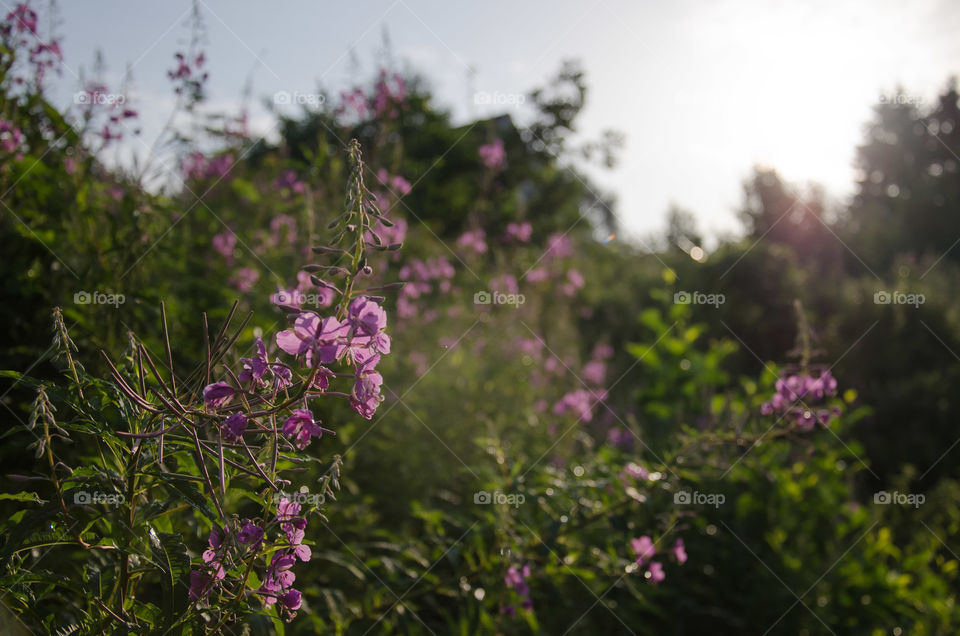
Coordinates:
[682,298]
[882,497]
[81,497]
[482,497]
[681,497]
[282,98]
[81,97]
[482,98]
[82,298]
[482,298]
[881,298]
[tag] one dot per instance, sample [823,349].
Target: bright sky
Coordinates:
[703,90]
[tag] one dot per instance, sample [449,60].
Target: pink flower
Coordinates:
[233,427]
[679,551]
[493,154]
[475,240]
[642,548]
[655,572]
[320,340]
[595,372]
[520,231]
[301,427]
[251,534]
[559,246]
[244,279]
[365,397]
[217,394]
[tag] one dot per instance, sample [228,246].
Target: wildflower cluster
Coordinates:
[261,407]
[240,546]
[516,580]
[21,36]
[386,100]
[644,550]
[798,397]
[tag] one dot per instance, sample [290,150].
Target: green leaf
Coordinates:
[171,555]
[23,496]
[191,495]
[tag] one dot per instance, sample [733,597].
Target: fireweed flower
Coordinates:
[322,380]
[251,534]
[520,232]
[225,243]
[256,367]
[320,340]
[579,402]
[278,579]
[287,509]
[516,579]
[293,527]
[642,548]
[474,239]
[202,581]
[282,375]
[493,155]
[796,397]
[655,572]
[679,552]
[301,427]
[366,397]
[217,394]
[233,427]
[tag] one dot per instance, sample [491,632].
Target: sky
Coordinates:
[702,90]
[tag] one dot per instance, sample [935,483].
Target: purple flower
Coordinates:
[320,340]
[225,243]
[256,367]
[655,572]
[287,509]
[642,548]
[578,402]
[493,154]
[365,397]
[278,577]
[303,552]
[233,427]
[679,551]
[516,579]
[301,427]
[251,534]
[368,318]
[474,239]
[795,395]
[290,599]
[282,375]
[520,231]
[199,584]
[217,394]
